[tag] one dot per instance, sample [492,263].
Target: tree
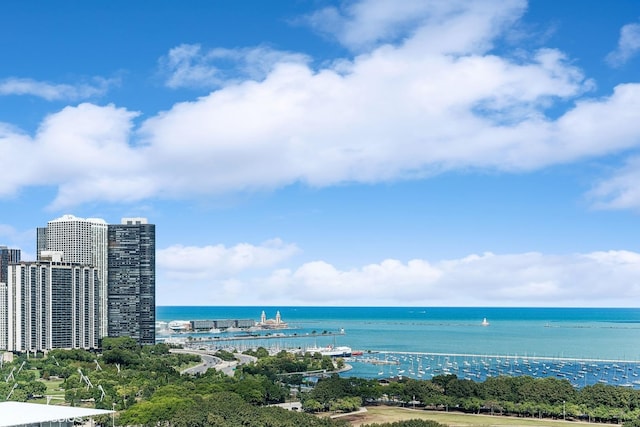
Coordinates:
[122,343]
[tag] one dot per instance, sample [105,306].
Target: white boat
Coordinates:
[485,322]
[340,351]
[179,325]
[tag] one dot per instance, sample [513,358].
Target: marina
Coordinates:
[382,364]
[582,346]
[479,368]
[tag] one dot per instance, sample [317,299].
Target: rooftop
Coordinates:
[24,414]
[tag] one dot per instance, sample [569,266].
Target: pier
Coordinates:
[274,336]
[272,341]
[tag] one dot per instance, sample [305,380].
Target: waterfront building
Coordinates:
[131,280]
[202,325]
[276,323]
[51,304]
[82,241]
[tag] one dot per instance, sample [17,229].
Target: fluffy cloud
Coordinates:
[185,263]
[13,238]
[628,45]
[530,279]
[54,92]
[191,66]
[621,190]
[432,98]
[458,25]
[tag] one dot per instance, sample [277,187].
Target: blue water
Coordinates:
[525,335]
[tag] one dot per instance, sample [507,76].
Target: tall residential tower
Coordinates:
[132,279]
[7,256]
[51,304]
[82,241]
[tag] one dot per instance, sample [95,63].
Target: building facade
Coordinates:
[7,256]
[4,316]
[90,280]
[131,279]
[51,304]
[82,241]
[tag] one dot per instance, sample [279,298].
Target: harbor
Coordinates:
[398,343]
[381,364]
[479,368]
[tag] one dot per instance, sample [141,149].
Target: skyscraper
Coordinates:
[7,256]
[132,279]
[50,304]
[4,316]
[82,241]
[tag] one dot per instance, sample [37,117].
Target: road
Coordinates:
[210,361]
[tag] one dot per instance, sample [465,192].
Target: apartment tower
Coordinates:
[84,242]
[7,256]
[131,279]
[50,304]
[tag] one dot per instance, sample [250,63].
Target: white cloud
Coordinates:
[209,263]
[190,66]
[447,25]
[7,232]
[435,102]
[83,150]
[621,190]
[628,45]
[16,239]
[529,279]
[54,92]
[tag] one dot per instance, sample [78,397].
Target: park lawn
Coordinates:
[53,386]
[390,414]
[53,389]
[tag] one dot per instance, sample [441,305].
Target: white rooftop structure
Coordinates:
[20,414]
[53,256]
[134,221]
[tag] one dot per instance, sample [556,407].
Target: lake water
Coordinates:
[422,342]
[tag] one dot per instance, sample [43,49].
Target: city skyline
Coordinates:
[91,280]
[423,153]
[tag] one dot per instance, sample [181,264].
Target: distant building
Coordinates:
[7,256]
[131,279]
[276,323]
[51,305]
[213,325]
[202,325]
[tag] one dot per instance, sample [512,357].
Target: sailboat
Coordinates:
[485,322]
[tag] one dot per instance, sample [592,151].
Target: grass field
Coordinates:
[53,386]
[386,414]
[53,389]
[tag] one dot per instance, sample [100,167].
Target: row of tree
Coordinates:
[520,396]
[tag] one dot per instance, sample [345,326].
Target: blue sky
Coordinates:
[415,153]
